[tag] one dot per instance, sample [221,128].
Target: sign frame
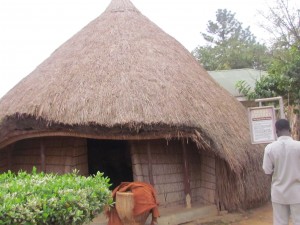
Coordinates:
[262,124]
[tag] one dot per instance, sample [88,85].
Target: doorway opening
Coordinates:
[112,157]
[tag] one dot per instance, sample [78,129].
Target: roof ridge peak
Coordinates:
[121,6]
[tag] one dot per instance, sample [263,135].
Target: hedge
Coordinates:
[42,199]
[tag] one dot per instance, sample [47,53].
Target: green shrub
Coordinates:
[42,199]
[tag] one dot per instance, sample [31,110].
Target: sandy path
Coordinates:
[259,216]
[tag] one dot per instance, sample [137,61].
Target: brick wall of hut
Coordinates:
[63,154]
[60,155]
[4,160]
[203,176]
[168,171]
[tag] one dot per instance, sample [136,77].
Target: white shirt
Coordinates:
[282,160]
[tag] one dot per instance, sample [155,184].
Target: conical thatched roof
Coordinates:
[122,76]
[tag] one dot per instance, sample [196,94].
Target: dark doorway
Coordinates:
[112,157]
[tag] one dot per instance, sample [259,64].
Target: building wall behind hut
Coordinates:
[61,155]
[168,171]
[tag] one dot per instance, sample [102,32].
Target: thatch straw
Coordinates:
[123,75]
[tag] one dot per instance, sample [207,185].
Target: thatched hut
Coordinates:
[123,97]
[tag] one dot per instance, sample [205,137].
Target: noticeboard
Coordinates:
[262,124]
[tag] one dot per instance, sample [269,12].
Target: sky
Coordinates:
[30,30]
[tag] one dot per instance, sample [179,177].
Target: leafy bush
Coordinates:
[45,199]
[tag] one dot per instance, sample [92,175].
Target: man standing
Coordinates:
[282,161]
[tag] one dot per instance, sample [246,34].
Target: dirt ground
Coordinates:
[258,216]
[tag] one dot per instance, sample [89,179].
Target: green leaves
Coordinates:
[267,86]
[226,28]
[287,63]
[230,46]
[39,198]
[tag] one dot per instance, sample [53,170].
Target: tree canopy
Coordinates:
[229,45]
[283,22]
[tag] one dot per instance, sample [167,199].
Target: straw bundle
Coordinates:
[122,77]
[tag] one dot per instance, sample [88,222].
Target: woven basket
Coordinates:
[124,207]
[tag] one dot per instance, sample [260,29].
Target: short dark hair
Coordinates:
[282,124]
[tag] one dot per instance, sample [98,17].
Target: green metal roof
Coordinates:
[228,78]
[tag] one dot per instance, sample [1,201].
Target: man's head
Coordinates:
[282,127]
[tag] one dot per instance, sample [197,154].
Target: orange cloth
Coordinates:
[144,200]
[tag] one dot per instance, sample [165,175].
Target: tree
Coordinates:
[271,85]
[226,28]
[230,46]
[283,80]
[282,21]
[288,65]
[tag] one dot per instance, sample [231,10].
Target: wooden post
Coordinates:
[150,173]
[187,179]
[43,160]
[75,155]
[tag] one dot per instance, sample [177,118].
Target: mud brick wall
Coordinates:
[203,176]
[62,155]
[4,160]
[168,171]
